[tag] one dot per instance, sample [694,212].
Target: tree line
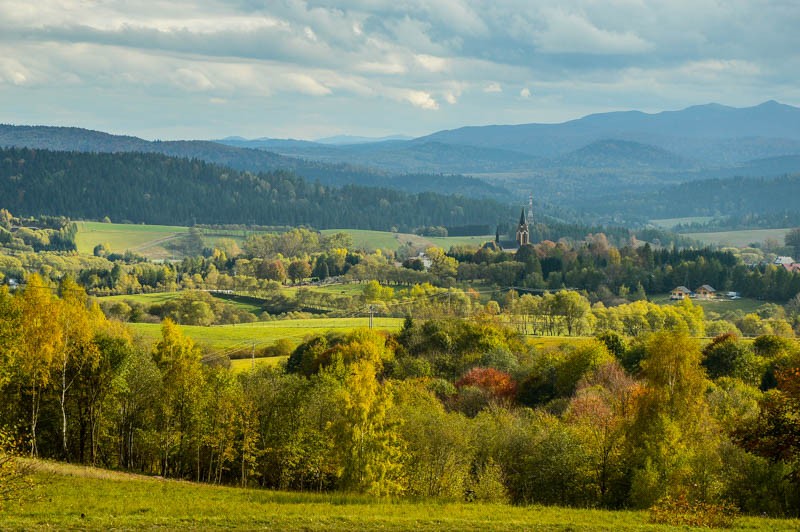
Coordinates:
[450,408]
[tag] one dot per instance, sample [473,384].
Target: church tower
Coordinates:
[523,235]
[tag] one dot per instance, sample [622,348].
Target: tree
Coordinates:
[298,270]
[792,239]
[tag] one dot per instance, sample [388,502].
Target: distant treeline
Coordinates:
[157,189]
[744,201]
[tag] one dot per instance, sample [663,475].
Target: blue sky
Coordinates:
[310,69]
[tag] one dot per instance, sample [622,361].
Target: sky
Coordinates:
[172,69]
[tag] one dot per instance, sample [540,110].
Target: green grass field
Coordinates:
[151,241]
[142,239]
[262,334]
[669,223]
[739,238]
[83,498]
[245,364]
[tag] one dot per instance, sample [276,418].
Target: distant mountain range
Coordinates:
[709,137]
[623,153]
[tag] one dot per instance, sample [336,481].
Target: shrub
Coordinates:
[680,511]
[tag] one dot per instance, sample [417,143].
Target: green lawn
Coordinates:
[739,238]
[83,498]
[262,334]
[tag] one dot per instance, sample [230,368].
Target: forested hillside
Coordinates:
[344,171]
[157,189]
[744,199]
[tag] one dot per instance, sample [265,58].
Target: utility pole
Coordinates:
[253,357]
[371,311]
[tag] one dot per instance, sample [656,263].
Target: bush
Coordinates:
[15,478]
[680,511]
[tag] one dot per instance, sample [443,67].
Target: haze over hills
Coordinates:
[708,136]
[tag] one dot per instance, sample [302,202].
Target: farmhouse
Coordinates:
[779,261]
[793,267]
[680,292]
[706,292]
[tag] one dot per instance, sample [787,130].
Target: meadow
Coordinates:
[77,497]
[669,223]
[151,241]
[159,298]
[741,238]
[262,334]
[718,305]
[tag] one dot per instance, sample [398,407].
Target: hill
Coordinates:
[611,153]
[239,154]
[745,201]
[683,131]
[156,189]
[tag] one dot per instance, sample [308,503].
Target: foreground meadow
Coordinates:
[74,497]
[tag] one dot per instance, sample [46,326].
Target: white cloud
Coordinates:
[525,93]
[450,98]
[573,33]
[493,87]
[307,85]
[431,63]
[420,99]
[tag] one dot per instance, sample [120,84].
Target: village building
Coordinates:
[681,292]
[706,292]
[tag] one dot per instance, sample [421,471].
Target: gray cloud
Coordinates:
[416,65]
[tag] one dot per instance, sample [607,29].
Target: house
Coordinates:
[793,267]
[779,261]
[706,292]
[680,292]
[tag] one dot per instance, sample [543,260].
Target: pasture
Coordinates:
[151,241]
[162,297]
[741,238]
[243,336]
[84,498]
[669,223]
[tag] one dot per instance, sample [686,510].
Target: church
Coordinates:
[522,234]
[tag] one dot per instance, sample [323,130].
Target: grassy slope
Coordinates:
[121,237]
[719,306]
[74,497]
[740,238]
[266,333]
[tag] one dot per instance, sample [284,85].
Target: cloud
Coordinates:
[584,55]
[421,99]
[573,33]
[307,85]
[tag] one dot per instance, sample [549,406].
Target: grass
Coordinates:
[262,334]
[121,237]
[241,365]
[151,241]
[739,238]
[669,223]
[76,497]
